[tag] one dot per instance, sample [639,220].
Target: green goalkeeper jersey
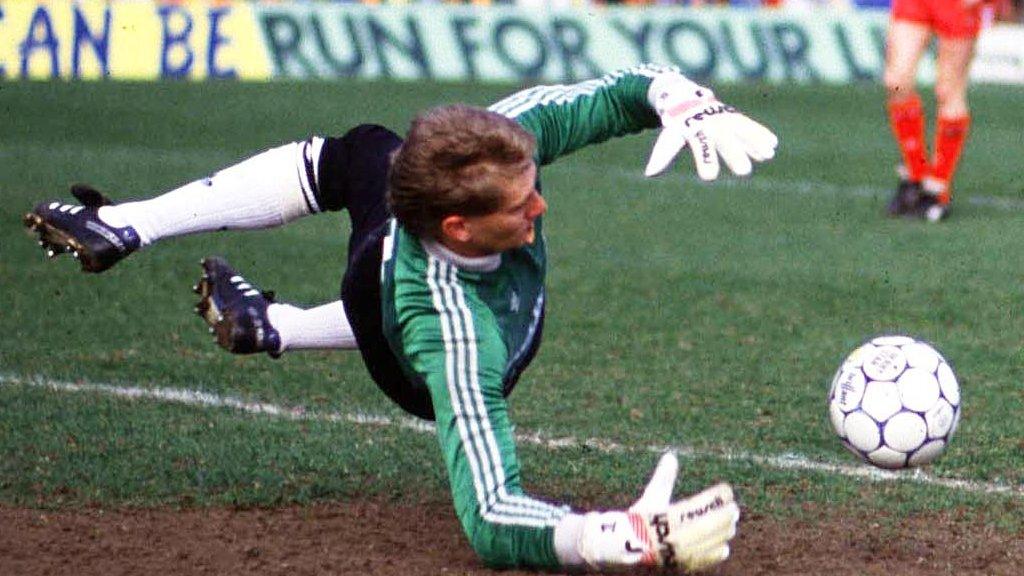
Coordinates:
[465,328]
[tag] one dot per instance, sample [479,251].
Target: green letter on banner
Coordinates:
[285,42]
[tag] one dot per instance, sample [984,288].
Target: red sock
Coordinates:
[950,135]
[907,120]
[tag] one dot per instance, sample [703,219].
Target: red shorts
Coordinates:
[948,18]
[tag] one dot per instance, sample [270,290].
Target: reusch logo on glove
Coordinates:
[715,504]
[709,111]
[705,147]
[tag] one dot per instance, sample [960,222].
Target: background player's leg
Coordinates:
[954,119]
[954,63]
[905,45]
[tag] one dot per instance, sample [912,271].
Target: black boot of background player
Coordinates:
[906,200]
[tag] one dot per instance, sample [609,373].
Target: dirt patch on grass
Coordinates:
[374,538]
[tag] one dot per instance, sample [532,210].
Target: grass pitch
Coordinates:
[709,317]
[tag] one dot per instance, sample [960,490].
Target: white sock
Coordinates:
[270,189]
[323,327]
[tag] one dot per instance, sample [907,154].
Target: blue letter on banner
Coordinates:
[48,42]
[100,45]
[3,71]
[216,41]
[171,39]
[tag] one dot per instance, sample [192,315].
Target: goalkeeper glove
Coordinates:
[689,535]
[691,115]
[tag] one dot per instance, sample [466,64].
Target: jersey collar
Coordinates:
[469,263]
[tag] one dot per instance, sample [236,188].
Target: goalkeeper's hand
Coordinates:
[691,115]
[691,534]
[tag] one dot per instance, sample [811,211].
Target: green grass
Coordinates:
[680,313]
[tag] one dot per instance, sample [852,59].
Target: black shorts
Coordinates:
[353,176]
[353,173]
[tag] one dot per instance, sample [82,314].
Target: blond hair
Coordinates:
[456,160]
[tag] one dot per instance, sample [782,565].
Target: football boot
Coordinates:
[935,200]
[235,310]
[79,231]
[905,201]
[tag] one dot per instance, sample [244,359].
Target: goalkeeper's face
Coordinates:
[512,224]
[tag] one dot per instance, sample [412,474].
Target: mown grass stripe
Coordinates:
[777,461]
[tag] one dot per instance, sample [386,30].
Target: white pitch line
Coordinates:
[779,462]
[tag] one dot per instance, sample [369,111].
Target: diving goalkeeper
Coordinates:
[444,294]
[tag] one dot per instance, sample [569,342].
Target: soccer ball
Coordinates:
[895,402]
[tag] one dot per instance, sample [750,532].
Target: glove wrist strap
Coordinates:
[663,81]
[566,540]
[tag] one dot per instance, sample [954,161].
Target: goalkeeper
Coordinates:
[444,289]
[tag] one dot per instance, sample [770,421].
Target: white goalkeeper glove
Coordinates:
[689,535]
[691,115]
